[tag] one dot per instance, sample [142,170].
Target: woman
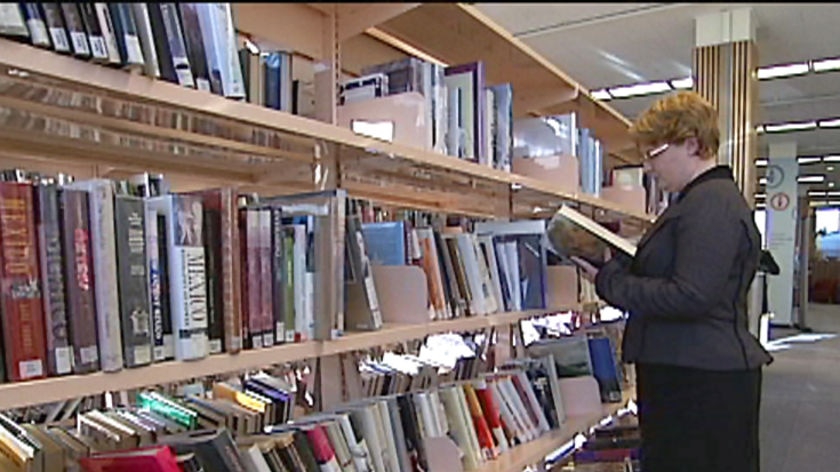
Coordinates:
[698,368]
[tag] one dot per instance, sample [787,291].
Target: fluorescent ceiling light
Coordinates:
[602,94]
[782,127]
[831,185]
[808,160]
[815,193]
[810,179]
[759,129]
[639,89]
[831,159]
[829,168]
[787,70]
[833,194]
[761,162]
[762,181]
[760,195]
[685,83]
[826,65]
[760,206]
[834,202]
[832,123]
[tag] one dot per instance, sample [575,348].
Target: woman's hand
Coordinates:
[589,271]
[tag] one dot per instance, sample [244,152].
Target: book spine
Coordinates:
[59,350]
[76,29]
[289,299]
[278,277]
[272,79]
[153,271]
[166,46]
[106,26]
[250,277]
[125,30]
[147,40]
[266,263]
[98,48]
[187,277]
[231,272]
[12,22]
[165,267]
[23,316]
[101,196]
[81,305]
[213,264]
[38,33]
[191,30]
[55,25]
[174,37]
[237,85]
[129,222]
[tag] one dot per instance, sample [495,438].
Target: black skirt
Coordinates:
[698,420]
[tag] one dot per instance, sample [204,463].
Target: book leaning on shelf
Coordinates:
[572,234]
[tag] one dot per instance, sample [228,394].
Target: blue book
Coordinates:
[385,242]
[604,369]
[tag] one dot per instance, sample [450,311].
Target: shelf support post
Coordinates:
[725,58]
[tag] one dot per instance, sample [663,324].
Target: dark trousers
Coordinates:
[695,420]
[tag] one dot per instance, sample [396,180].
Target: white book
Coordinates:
[236,82]
[186,273]
[106,25]
[147,40]
[387,432]
[366,415]
[253,459]
[498,433]
[472,436]
[358,446]
[101,200]
[523,431]
[479,304]
[519,408]
[512,255]
[532,400]
[489,124]
[487,251]
[455,416]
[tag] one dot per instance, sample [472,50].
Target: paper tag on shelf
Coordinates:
[80,42]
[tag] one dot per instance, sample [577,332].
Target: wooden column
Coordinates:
[724,65]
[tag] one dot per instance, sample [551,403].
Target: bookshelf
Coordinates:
[368,168]
[21,394]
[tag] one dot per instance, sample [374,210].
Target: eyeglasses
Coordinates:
[653,153]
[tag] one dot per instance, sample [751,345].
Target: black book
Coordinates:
[135,318]
[55,25]
[76,29]
[125,30]
[195,48]
[51,259]
[98,49]
[163,280]
[212,236]
[169,44]
[283,300]
[38,33]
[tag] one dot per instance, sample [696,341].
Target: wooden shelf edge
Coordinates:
[20,394]
[535,451]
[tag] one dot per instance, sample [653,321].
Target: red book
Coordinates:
[150,459]
[20,293]
[322,448]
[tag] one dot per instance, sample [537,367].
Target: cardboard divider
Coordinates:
[402,293]
[443,456]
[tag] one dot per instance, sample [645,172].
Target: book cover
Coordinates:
[55,25]
[38,33]
[151,66]
[48,226]
[76,29]
[81,304]
[195,48]
[98,49]
[125,30]
[265,278]
[362,303]
[169,44]
[12,21]
[571,233]
[135,317]
[106,26]
[250,279]
[101,200]
[20,298]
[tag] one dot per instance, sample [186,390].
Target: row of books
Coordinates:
[248,424]
[191,44]
[472,268]
[458,114]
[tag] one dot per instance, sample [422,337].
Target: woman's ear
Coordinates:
[692,146]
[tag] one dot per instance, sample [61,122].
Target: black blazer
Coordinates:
[686,288]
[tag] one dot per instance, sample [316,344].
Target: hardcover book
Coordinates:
[571,233]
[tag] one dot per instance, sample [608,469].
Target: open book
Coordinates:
[570,233]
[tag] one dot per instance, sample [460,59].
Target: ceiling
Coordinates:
[613,44]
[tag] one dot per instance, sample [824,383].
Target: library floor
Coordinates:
[801,399]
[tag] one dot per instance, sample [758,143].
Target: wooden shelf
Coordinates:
[458,33]
[536,451]
[20,394]
[110,111]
